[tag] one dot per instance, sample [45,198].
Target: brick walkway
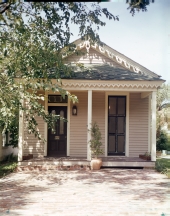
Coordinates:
[85,193]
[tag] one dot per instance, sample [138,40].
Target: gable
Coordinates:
[103,62]
[92,57]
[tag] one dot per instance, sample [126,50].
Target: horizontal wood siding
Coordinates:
[138,125]
[31,144]
[94,57]
[78,127]
[78,124]
[98,113]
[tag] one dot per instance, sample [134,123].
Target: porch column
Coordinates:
[153,132]
[89,121]
[21,134]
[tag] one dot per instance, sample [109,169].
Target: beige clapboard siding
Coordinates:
[138,125]
[94,57]
[78,127]
[78,124]
[31,144]
[98,113]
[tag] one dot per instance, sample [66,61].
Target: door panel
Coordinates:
[120,125]
[112,106]
[121,146]
[112,142]
[121,106]
[112,124]
[57,135]
[116,125]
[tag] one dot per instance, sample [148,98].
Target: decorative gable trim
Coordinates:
[114,56]
[111,85]
[86,44]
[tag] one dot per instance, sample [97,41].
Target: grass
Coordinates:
[163,165]
[8,165]
[6,168]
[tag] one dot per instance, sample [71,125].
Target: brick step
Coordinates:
[52,167]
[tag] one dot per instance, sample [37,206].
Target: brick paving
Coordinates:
[106,192]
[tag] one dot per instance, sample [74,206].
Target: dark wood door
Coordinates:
[57,135]
[116,125]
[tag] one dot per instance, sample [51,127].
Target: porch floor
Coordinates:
[116,161]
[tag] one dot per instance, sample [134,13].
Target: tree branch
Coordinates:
[6,7]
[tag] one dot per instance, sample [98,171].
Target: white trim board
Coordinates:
[68,123]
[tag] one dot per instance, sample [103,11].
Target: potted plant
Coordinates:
[95,146]
[146,156]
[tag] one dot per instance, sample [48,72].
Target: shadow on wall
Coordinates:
[9,150]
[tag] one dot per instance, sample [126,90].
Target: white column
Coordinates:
[21,134]
[45,125]
[68,128]
[89,121]
[153,137]
[149,123]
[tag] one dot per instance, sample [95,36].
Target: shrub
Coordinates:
[95,142]
[160,167]
[162,141]
[163,166]
[10,158]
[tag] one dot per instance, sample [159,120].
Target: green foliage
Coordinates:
[137,5]
[161,141]
[12,130]
[163,96]
[147,154]
[33,38]
[163,107]
[168,143]
[8,164]
[10,158]
[163,166]
[95,142]
[6,168]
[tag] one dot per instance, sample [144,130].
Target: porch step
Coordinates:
[82,164]
[51,167]
[129,164]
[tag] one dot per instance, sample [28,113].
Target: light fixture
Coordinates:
[74,110]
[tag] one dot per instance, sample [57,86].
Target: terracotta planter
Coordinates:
[145,157]
[96,163]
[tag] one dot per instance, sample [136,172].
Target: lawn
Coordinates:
[163,165]
[6,168]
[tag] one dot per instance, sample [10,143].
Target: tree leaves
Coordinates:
[32,38]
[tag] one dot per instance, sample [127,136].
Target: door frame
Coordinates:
[112,93]
[68,122]
[51,136]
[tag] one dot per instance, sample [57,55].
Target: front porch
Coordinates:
[80,162]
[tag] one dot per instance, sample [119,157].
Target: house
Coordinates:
[113,90]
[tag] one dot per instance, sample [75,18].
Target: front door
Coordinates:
[116,125]
[57,135]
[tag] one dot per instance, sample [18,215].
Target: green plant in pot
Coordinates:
[95,146]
